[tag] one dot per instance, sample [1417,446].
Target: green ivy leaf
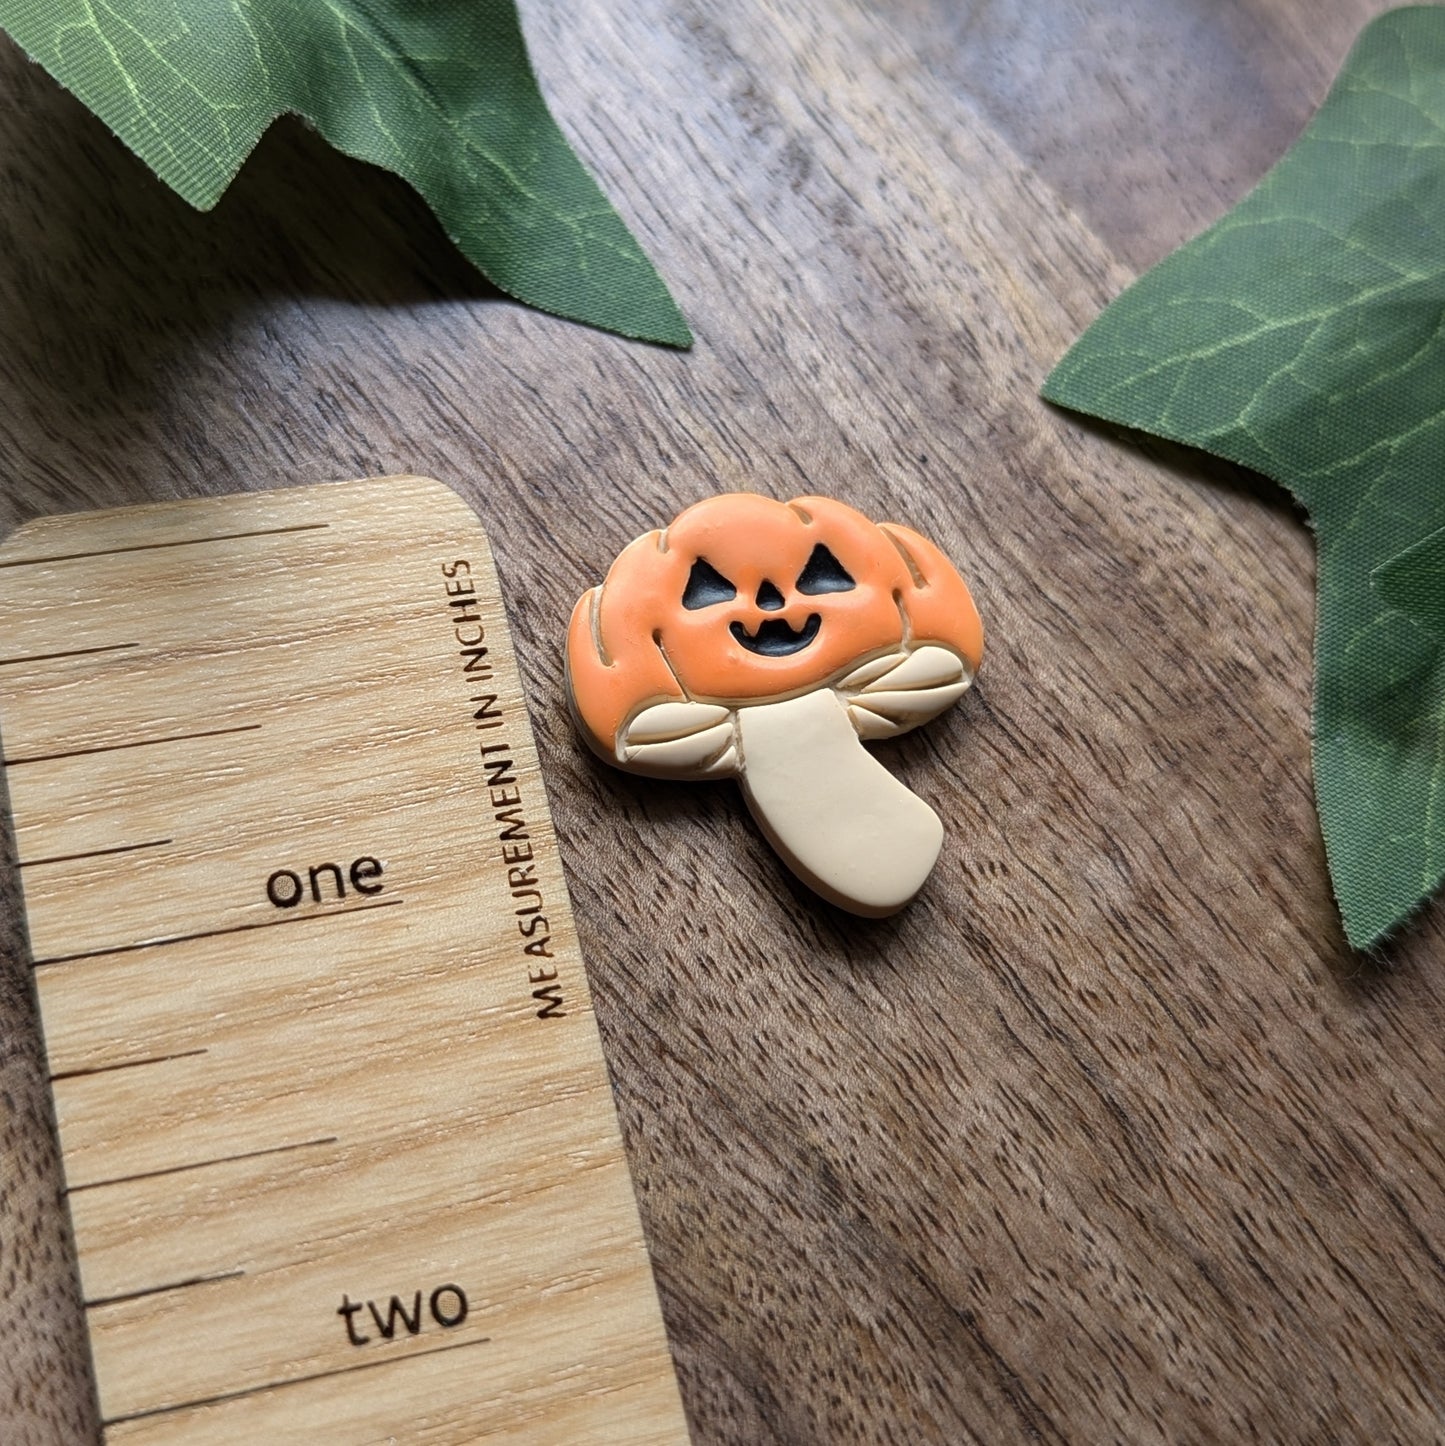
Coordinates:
[1414,583]
[1304,336]
[440,92]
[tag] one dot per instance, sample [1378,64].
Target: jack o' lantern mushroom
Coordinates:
[763,640]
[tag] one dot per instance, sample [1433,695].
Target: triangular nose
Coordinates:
[769,598]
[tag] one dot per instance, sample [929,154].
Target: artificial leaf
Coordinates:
[1302,336]
[442,93]
[1414,583]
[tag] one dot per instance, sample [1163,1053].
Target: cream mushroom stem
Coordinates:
[842,822]
[845,825]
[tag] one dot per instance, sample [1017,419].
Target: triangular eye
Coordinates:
[824,573]
[706,586]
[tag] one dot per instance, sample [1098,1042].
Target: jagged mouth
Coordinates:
[775,639]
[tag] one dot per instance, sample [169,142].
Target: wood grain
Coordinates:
[1108,1136]
[326,1148]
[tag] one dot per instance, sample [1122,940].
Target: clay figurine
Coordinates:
[763,640]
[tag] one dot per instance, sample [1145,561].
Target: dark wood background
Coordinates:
[1109,1136]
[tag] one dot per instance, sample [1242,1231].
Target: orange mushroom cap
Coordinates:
[743,599]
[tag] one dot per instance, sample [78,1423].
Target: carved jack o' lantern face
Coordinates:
[755,599]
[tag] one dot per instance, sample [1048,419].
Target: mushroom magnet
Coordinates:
[763,640]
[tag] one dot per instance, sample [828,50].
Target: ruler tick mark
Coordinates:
[203,1164]
[153,843]
[162,1289]
[214,933]
[294,1381]
[152,546]
[127,1064]
[134,743]
[68,653]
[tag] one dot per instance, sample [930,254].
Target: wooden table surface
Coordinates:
[1109,1136]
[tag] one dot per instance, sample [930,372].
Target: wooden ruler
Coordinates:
[339,1146]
